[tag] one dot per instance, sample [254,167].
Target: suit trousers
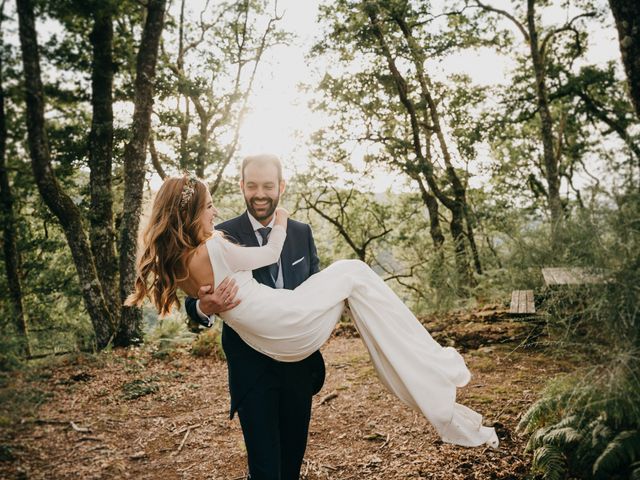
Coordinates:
[275,416]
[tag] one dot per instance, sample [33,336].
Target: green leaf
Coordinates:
[562,437]
[621,452]
[550,461]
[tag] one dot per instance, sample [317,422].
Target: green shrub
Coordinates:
[587,425]
[168,336]
[208,343]
[10,357]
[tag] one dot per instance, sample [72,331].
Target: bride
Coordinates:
[181,250]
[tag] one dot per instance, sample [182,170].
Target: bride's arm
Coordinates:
[250,258]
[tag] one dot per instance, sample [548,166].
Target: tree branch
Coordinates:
[507,15]
[566,27]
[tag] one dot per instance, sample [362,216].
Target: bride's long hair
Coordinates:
[169,241]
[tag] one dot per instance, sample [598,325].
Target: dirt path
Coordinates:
[180,428]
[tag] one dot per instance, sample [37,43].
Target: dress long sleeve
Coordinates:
[250,258]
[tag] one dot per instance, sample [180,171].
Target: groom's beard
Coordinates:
[265,211]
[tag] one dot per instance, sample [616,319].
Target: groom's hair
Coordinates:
[262,159]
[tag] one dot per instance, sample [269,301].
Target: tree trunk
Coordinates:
[130,329]
[434,220]
[184,135]
[435,126]
[456,226]
[456,204]
[57,200]
[11,253]
[185,118]
[100,158]
[203,146]
[627,16]
[546,126]
[472,239]
[155,158]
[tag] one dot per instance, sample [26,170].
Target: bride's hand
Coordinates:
[281,217]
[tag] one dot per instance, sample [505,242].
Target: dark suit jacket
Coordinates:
[299,260]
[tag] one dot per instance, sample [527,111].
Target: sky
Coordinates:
[280,119]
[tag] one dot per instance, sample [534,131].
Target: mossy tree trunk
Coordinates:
[130,328]
[550,159]
[11,253]
[431,121]
[627,16]
[100,156]
[54,197]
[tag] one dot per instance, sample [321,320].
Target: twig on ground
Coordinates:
[184,439]
[79,429]
[97,447]
[188,427]
[183,470]
[503,409]
[385,442]
[328,398]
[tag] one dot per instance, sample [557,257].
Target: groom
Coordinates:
[273,399]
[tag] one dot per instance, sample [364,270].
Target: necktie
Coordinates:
[273,269]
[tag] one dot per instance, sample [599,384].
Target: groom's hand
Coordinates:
[221,299]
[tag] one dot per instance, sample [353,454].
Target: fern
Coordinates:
[563,437]
[550,461]
[570,421]
[537,438]
[600,432]
[539,414]
[565,432]
[619,454]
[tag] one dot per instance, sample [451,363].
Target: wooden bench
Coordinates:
[522,303]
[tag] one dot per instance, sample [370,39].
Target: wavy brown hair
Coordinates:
[169,241]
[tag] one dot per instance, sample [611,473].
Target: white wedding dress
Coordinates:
[289,325]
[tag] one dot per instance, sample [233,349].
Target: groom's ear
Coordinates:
[282,186]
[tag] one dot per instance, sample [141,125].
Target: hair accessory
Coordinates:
[187,191]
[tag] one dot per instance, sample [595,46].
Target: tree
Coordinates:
[103,308]
[627,16]
[356,216]
[603,101]
[100,153]
[393,42]
[130,328]
[11,253]
[53,195]
[585,101]
[540,44]
[383,229]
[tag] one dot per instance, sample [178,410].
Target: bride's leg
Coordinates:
[289,325]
